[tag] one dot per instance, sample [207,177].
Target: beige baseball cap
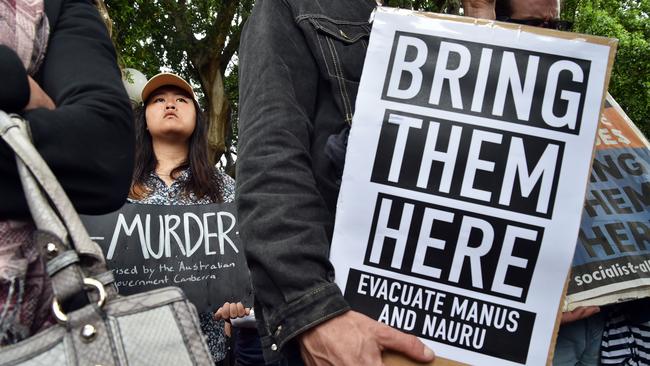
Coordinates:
[164,79]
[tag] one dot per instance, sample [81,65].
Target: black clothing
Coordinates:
[88,139]
[14,93]
[300,66]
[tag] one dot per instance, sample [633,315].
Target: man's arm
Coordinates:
[14,90]
[356,340]
[88,139]
[283,218]
[282,215]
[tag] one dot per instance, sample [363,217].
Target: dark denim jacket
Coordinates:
[300,64]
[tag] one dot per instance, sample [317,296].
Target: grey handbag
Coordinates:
[158,327]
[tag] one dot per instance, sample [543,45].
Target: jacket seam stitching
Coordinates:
[302,17]
[320,45]
[346,96]
[300,330]
[342,87]
[290,307]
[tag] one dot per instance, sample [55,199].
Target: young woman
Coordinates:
[172,165]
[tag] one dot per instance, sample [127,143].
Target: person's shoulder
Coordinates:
[227,184]
[222,176]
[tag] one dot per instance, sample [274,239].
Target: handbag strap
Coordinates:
[70,253]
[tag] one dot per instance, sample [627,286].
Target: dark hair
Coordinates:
[202,181]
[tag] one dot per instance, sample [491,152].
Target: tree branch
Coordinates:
[232,46]
[215,40]
[233,41]
[177,10]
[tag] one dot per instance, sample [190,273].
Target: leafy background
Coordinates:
[198,39]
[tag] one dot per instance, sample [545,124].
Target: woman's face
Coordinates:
[170,114]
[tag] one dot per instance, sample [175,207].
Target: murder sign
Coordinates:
[612,259]
[465,174]
[194,247]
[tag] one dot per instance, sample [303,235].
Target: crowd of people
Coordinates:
[61,75]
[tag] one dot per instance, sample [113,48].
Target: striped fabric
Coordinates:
[626,341]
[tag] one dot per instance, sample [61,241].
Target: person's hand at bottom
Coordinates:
[231,310]
[37,97]
[578,313]
[355,339]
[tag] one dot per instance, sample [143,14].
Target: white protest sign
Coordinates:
[464,181]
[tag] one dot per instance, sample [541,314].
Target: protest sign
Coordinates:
[194,247]
[464,180]
[612,258]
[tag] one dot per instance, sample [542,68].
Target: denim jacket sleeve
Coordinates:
[283,217]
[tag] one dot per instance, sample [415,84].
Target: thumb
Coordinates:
[217,315]
[406,344]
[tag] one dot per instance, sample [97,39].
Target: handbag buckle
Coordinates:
[88,282]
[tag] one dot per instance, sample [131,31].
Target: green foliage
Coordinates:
[196,39]
[183,36]
[136,26]
[629,22]
[436,6]
[180,35]
[155,35]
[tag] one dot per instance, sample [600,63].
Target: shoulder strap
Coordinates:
[16,138]
[76,255]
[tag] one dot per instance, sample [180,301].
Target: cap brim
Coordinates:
[165,79]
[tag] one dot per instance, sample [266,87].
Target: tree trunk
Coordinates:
[218,107]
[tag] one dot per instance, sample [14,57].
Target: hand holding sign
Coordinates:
[231,311]
[464,178]
[579,313]
[355,339]
[194,247]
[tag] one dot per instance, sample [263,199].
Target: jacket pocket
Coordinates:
[339,47]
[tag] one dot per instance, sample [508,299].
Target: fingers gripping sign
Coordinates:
[355,339]
[231,311]
[579,313]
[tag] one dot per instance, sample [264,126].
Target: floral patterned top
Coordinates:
[161,194]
